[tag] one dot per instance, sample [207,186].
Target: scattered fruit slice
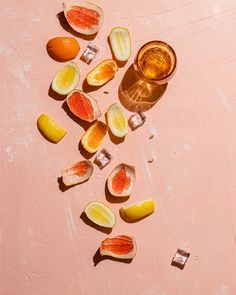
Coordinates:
[93,137]
[84,17]
[83,106]
[102,73]
[117,120]
[66,79]
[120,43]
[78,173]
[123,247]
[137,211]
[100,214]
[50,129]
[120,182]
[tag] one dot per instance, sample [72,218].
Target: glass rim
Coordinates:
[175,61]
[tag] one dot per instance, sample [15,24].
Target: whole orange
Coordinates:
[63,48]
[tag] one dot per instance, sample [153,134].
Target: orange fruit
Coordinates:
[102,73]
[63,48]
[93,137]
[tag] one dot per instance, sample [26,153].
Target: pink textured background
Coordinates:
[45,248]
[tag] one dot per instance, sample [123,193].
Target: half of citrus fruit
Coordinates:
[66,79]
[120,43]
[92,138]
[137,211]
[100,214]
[50,129]
[102,73]
[117,120]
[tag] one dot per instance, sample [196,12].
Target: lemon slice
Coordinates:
[120,43]
[117,121]
[50,129]
[137,211]
[66,79]
[100,214]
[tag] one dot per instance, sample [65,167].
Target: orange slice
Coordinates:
[93,137]
[102,73]
[120,43]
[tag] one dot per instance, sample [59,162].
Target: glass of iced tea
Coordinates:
[156,62]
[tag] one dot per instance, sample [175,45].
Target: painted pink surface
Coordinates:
[45,248]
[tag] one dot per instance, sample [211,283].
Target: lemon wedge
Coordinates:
[50,129]
[117,120]
[120,43]
[100,214]
[137,211]
[66,79]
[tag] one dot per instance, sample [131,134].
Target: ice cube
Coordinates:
[103,158]
[180,258]
[137,120]
[89,53]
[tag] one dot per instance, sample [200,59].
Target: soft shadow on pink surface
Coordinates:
[64,187]
[83,152]
[98,258]
[88,88]
[111,199]
[137,95]
[55,95]
[67,27]
[86,220]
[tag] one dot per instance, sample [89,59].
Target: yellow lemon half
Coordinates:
[100,214]
[137,211]
[50,129]
[120,43]
[66,79]
[117,120]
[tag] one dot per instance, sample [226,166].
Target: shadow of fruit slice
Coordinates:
[102,73]
[120,182]
[117,120]
[120,43]
[83,106]
[63,48]
[50,129]
[92,138]
[100,214]
[122,246]
[78,173]
[137,211]
[84,17]
[66,79]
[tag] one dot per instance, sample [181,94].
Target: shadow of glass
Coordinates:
[136,95]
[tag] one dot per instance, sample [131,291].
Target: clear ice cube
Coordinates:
[89,53]
[103,158]
[137,120]
[180,258]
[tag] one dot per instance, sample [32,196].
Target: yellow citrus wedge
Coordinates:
[120,43]
[117,120]
[50,129]
[100,214]
[66,79]
[92,138]
[137,211]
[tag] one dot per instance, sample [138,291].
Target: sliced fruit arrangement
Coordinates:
[78,173]
[63,48]
[66,79]
[102,73]
[50,129]
[100,214]
[137,211]
[84,17]
[83,106]
[120,43]
[93,136]
[122,246]
[117,120]
[121,181]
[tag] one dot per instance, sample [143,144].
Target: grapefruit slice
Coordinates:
[83,106]
[84,17]
[78,173]
[120,43]
[100,214]
[117,120]
[122,246]
[66,79]
[102,73]
[120,182]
